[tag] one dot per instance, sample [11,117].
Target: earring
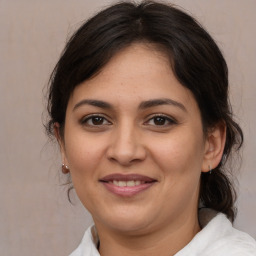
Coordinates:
[65,169]
[210,169]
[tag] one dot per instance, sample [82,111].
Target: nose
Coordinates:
[126,146]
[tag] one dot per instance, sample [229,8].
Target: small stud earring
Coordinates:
[65,169]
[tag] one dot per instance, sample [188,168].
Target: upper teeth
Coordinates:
[129,183]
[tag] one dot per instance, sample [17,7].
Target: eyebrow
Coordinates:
[143,105]
[96,103]
[159,102]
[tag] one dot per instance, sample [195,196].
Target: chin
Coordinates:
[136,223]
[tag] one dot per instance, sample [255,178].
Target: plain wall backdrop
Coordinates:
[35,215]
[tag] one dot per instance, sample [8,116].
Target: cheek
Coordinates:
[84,158]
[179,154]
[84,155]
[180,160]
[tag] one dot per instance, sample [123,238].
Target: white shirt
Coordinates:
[217,238]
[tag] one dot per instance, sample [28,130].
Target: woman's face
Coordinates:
[134,143]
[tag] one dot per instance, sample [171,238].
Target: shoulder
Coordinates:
[219,238]
[231,241]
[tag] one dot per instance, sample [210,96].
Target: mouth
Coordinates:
[127,185]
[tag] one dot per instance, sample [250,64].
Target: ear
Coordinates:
[214,146]
[60,139]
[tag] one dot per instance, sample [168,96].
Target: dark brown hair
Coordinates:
[196,61]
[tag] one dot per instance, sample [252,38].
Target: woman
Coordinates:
[138,103]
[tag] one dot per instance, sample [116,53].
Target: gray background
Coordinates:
[35,215]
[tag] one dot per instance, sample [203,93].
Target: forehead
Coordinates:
[138,59]
[138,72]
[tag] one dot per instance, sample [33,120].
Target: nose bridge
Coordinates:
[126,146]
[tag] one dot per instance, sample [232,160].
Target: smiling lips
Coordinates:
[127,185]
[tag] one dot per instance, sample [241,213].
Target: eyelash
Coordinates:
[85,120]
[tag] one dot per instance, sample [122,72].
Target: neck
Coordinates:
[164,241]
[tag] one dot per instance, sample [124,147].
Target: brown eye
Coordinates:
[159,120]
[95,121]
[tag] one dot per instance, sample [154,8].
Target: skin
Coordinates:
[128,139]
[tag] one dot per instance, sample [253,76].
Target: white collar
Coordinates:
[217,238]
